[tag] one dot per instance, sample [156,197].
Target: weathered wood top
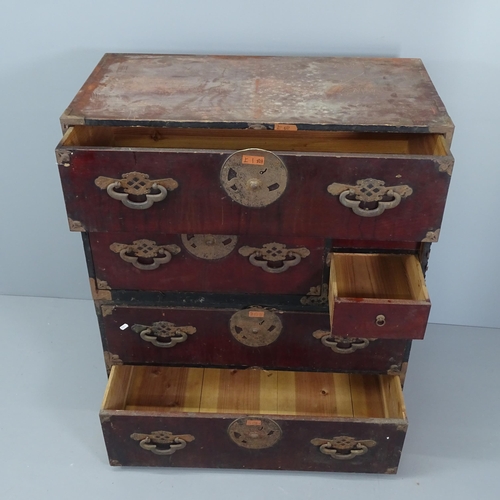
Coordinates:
[323,93]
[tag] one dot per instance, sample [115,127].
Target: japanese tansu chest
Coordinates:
[257,231]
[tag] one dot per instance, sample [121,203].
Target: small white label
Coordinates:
[124,326]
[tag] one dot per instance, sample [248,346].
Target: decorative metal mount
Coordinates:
[369,197]
[162,442]
[209,246]
[343,447]
[316,296]
[255,327]
[145,254]
[341,345]
[254,177]
[255,433]
[163,333]
[274,257]
[135,190]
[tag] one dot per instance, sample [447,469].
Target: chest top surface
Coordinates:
[315,93]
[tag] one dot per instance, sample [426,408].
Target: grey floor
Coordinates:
[52,381]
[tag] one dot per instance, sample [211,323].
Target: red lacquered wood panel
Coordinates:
[200,205]
[378,295]
[212,447]
[231,273]
[300,345]
[384,319]
[195,417]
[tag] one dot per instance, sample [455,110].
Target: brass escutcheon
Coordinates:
[209,246]
[254,177]
[255,327]
[255,433]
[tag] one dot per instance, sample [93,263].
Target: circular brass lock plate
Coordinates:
[254,177]
[255,327]
[209,246]
[254,433]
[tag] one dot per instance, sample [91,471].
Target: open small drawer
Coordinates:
[377,296]
[206,417]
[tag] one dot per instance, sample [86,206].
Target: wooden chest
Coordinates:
[257,231]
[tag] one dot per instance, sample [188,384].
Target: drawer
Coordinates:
[377,295]
[208,263]
[342,185]
[254,336]
[253,419]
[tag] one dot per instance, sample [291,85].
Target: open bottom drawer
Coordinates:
[377,296]
[206,417]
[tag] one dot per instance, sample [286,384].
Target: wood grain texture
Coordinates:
[254,391]
[200,205]
[236,91]
[364,287]
[185,272]
[212,446]
[213,344]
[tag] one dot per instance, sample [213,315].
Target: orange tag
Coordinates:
[253,160]
[285,126]
[256,314]
[254,422]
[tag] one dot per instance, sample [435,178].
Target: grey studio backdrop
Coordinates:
[49,48]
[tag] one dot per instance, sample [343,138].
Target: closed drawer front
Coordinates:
[195,417]
[248,337]
[377,295]
[208,263]
[323,184]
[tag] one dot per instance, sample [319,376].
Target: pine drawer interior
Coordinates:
[253,392]
[377,276]
[223,139]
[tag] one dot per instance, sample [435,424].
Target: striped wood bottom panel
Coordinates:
[253,391]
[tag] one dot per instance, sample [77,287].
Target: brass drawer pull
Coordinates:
[343,447]
[274,257]
[162,442]
[145,255]
[380,320]
[138,185]
[341,345]
[163,333]
[368,192]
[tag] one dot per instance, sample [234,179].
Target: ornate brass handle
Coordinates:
[162,442]
[145,254]
[341,345]
[380,320]
[163,333]
[368,192]
[274,257]
[343,447]
[138,185]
